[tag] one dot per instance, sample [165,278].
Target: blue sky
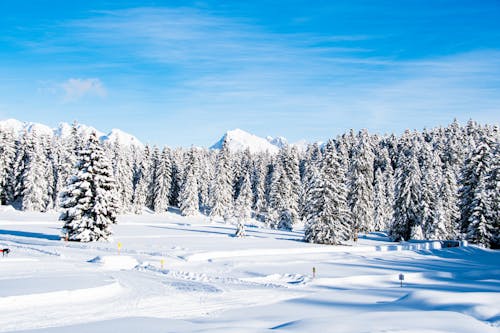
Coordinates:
[182,72]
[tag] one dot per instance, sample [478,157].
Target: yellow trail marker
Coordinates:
[162,262]
[119,247]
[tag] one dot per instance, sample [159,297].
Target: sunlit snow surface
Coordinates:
[181,274]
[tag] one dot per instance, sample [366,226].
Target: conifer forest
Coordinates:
[439,184]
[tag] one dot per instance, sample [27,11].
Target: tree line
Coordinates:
[441,183]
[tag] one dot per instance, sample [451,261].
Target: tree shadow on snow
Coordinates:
[30,234]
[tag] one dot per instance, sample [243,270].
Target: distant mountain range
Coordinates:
[64,130]
[238,140]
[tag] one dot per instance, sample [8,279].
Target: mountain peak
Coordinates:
[240,140]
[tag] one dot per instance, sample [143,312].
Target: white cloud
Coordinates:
[75,89]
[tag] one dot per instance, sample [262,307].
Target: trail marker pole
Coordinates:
[119,247]
[401,279]
[314,272]
[162,262]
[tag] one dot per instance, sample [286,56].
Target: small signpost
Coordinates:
[119,246]
[314,272]
[401,279]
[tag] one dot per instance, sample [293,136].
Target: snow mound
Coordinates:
[115,262]
[279,279]
[239,140]
[72,297]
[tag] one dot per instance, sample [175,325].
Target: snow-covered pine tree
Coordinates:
[240,167]
[430,167]
[311,169]
[142,181]
[50,171]
[492,195]
[89,208]
[162,182]
[243,205]
[447,214]
[206,169]
[124,174]
[176,174]
[7,155]
[155,164]
[221,193]
[290,162]
[259,183]
[383,191]
[276,191]
[361,185]
[32,181]
[475,206]
[328,217]
[188,196]
[407,208]
[62,162]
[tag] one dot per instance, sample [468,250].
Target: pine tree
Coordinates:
[175,186]
[383,191]
[206,170]
[276,192]
[32,181]
[328,217]
[407,209]
[361,186]
[430,166]
[243,205]
[290,162]
[447,214]
[142,181]
[221,192]
[310,170]
[492,196]
[123,173]
[7,155]
[259,184]
[88,202]
[477,204]
[162,182]
[188,196]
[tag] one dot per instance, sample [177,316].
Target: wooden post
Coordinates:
[314,272]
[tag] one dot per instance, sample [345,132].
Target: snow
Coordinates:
[278,141]
[63,130]
[115,262]
[239,140]
[186,274]
[121,136]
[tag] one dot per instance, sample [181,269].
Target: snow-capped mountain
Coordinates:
[64,130]
[239,140]
[278,141]
[121,136]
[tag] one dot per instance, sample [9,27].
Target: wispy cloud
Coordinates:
[75,89]
[200,65]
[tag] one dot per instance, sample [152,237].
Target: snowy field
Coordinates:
[180,274]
